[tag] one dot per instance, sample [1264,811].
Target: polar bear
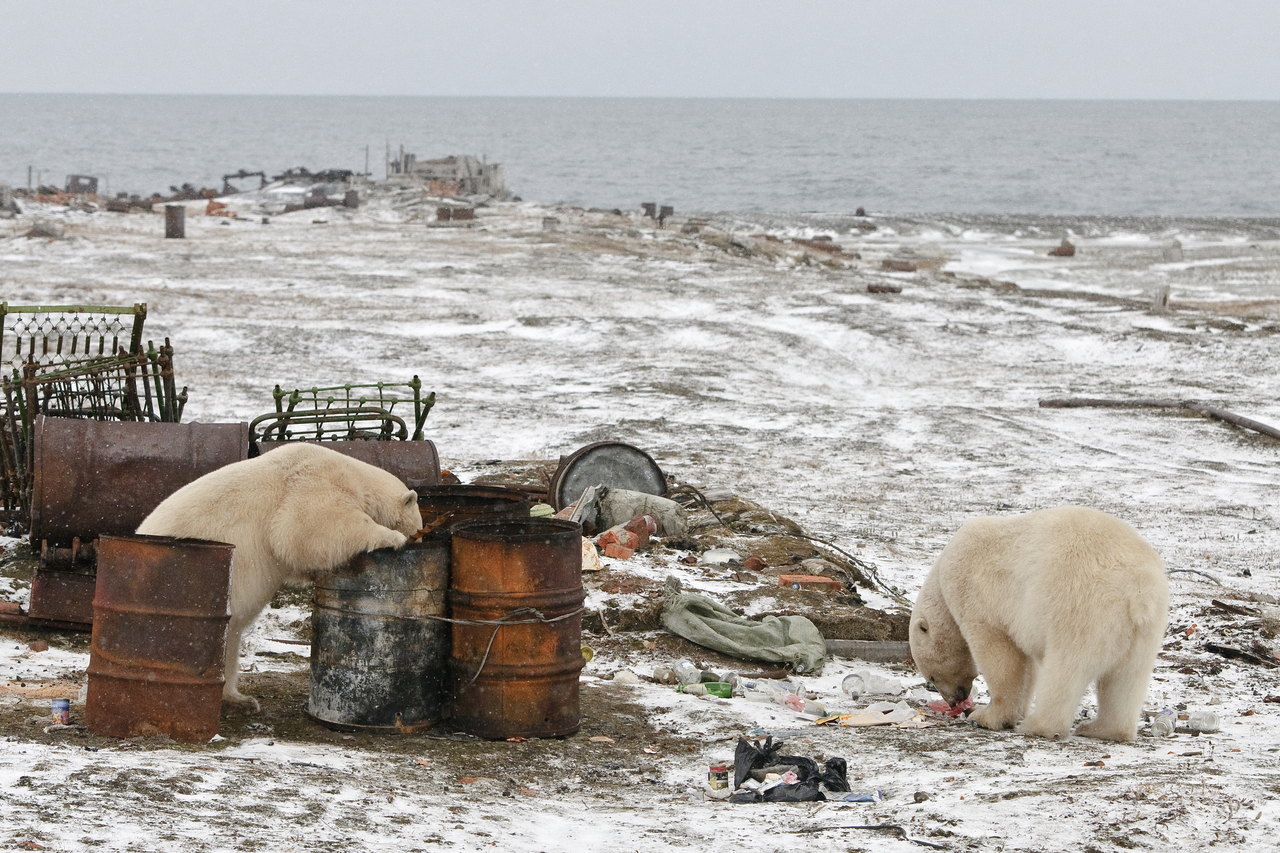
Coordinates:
[1043,605]
[296,511]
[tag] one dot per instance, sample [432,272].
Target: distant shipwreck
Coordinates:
[450,177]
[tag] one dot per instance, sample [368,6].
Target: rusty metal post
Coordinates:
[175,221]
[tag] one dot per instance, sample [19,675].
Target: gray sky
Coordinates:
[1143,49]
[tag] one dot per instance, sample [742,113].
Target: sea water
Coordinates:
[895,156]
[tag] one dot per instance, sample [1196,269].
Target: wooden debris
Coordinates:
[1143,402]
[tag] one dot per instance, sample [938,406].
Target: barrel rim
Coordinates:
[171,541]
[488,530]
[470,489]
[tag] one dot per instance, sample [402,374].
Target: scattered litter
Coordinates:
[792,640]
[1203,721]
[590,556]
[626,676]
[881,714]
[814,582]
[720,689]
[864,681]
[618,506]
[720,556]
[783,778]
[718,777]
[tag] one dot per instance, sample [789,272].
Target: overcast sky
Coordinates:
[1171,49]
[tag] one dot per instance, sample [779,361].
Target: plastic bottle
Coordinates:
[853,685]
[777,686]
[665,675]
[687,673]
[1203,721]
[1162,724]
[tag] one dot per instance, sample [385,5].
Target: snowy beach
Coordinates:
[876,405]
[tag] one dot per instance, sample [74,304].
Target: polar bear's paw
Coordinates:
[1037,725]
[235,697]
[990,717]
[1106,730]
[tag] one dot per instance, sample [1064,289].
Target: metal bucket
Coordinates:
[462,504]
[518,679]
[160,618]
[96,477]
[379,660]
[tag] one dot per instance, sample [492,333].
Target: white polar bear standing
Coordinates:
[1044,605]
[296,511]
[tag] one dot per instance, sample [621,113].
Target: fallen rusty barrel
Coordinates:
[446,507]
[413,462]
[516,599]
[379,649]
[96,477]
[160,617]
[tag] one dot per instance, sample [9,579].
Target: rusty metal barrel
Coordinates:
[96,477]
[416,463]
[446,507]
[160,614]
[379,649]
[516,600]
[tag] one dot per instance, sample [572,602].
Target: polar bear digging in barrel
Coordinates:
[1043,605]
[296,511]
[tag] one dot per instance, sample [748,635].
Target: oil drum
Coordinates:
[160,613]
[96,477]
[415,463]
[445,507]
[379,661]
[516,600]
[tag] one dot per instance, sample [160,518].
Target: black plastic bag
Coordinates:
[810,775]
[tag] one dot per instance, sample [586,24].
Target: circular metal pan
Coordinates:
[609,463]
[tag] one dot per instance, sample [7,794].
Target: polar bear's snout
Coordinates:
[952,693]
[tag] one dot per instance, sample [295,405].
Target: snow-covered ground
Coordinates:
[737,358]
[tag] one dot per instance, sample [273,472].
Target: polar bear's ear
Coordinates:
[410,497]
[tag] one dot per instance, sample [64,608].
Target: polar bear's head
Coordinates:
[938,648]
[401,514]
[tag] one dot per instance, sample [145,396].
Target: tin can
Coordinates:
[62,712]
[718,777]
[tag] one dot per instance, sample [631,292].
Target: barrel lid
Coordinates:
[609,463]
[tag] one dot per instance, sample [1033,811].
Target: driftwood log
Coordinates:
[1145,402]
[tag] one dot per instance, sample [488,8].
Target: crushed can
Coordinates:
[718,777]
